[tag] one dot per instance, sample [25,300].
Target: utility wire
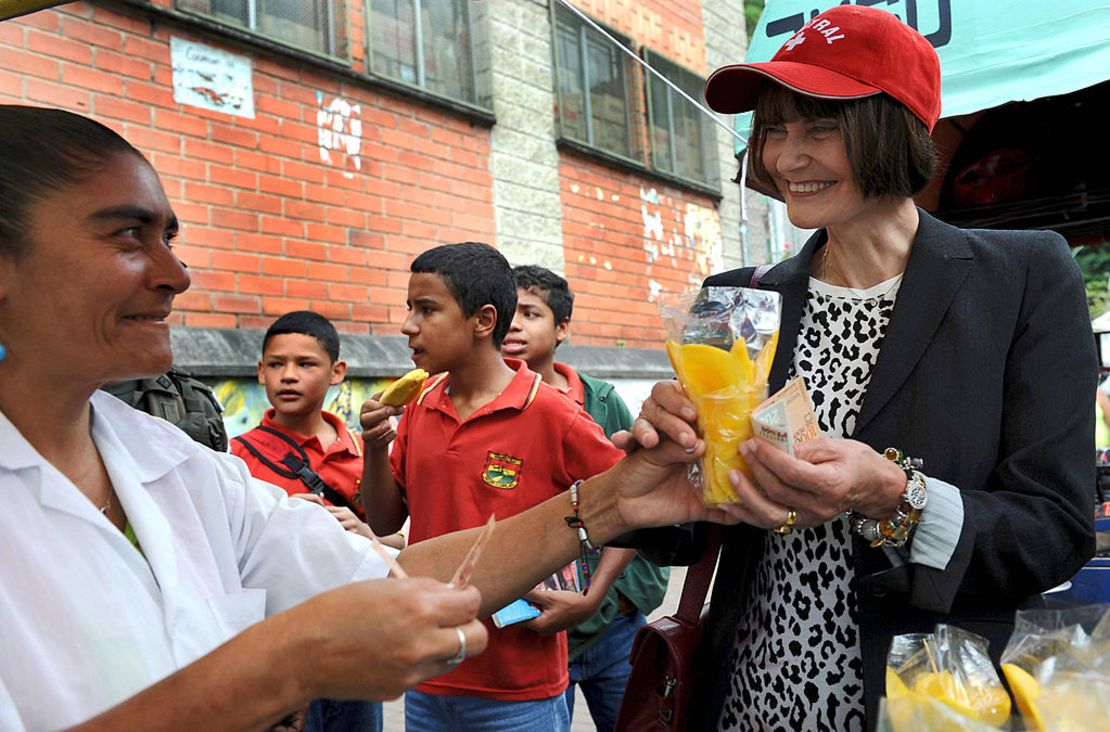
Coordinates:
[716,120]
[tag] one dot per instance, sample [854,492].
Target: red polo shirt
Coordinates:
[576,390]
[340,465]
[527,445]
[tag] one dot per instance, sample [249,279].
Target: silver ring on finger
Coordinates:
[459,657]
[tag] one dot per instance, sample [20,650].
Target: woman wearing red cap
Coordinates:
[950,370]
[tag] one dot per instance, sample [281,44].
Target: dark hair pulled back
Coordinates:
[43,151]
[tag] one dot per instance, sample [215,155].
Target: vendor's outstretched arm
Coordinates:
[646,488]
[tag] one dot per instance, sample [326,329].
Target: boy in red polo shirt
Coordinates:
[600,646]
[311,454]
[486,436]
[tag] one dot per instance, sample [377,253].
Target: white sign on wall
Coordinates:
[211,79]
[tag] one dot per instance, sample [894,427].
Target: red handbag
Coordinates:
[666,667]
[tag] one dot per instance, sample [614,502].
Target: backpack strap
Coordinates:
[263,459]
[296,466]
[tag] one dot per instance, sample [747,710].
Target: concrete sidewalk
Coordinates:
[395,710]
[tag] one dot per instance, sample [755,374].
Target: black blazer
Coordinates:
[987,372]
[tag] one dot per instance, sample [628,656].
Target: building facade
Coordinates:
[312,148]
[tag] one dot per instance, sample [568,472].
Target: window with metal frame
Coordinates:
[428,44]
[592,87]
[683,141]
[306,24]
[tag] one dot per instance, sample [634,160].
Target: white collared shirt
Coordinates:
[86,620]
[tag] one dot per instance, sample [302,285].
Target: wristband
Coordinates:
[586,547]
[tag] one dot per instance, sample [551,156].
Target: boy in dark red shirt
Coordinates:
[311,454]
[300,361]
[486,436]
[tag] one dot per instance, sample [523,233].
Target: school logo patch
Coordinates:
[502,471]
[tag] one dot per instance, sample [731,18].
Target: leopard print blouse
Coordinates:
[796,662]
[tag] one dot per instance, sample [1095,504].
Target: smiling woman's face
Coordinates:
[88,300]
[809,165]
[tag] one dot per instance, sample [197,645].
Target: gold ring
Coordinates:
[788,526]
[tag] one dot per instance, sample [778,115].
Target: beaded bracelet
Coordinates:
[896,530]
[575,522]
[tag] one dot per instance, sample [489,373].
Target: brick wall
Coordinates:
[628,240]
[270,226]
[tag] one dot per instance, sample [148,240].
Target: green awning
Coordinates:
[991,51]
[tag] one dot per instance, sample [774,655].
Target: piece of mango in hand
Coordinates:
[405,389]
[723,386]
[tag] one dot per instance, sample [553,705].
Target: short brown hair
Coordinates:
[889,148]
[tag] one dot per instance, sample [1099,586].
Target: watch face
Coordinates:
[916,495]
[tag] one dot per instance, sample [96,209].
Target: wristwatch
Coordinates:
[896,530]
[915,494]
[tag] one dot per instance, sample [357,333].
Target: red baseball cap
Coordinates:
[847,52]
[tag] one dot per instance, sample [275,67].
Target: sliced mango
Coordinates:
[899,701]
[720,383]
[708,369]
[739,351]
[990,705]
[920,707]
[765,358]
[674,353]
[405,389]
[1027,694]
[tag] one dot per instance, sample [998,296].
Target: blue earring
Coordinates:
[3,352]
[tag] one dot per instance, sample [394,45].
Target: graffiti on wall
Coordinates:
[245,402]
[685,238]
[339,133]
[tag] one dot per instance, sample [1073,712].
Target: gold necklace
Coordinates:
[827,267]
[107,504]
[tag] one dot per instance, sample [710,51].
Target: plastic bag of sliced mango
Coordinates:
[943,681]
[721,342]
[1058,666]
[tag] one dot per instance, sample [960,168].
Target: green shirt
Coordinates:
[642,582]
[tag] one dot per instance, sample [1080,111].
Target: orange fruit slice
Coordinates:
[720,383]
[708,369]
[1027,693]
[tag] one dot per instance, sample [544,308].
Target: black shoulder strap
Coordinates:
[286,439]
[296,466]
[263,459]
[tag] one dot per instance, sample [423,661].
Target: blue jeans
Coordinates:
[330,715]
[437,713]
[602,670]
